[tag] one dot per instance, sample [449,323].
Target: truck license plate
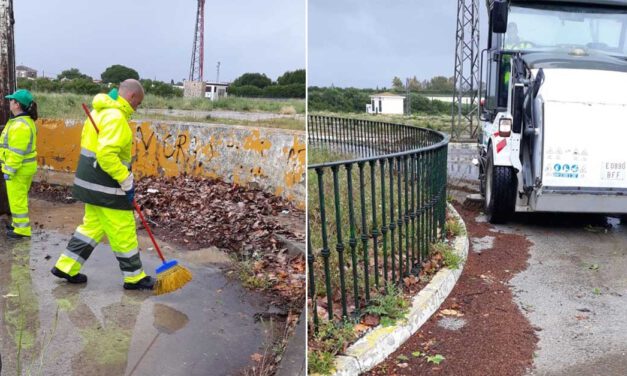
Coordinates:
[613,170]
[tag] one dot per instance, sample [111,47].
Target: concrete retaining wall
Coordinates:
[270,159]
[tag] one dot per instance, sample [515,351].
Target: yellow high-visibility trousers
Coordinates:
[119,227]
[17,191]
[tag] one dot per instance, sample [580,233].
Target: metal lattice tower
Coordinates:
[198,53]
[466,78]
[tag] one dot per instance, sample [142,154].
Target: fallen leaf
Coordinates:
[371,320]
[451,312]
[409,281]
[435,359]
[256,357]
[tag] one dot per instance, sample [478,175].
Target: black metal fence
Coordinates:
[373,210]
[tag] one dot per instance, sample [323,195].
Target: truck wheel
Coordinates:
[500,191]
[482,180]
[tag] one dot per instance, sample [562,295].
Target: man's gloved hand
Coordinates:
[7,177]
[128,187]
[130,194]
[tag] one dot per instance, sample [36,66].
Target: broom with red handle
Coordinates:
[170,275]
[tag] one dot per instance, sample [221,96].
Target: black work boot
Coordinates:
[79,278]
[146,283]
[14,235]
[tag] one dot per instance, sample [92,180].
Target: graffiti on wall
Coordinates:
[270,160]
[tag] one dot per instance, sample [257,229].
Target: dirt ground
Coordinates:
[479,329]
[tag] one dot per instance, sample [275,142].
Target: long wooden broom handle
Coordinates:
[154,242]
[137,209]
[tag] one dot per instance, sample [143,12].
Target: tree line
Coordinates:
[73,81]
[289,85]
[354,100]
[435,85]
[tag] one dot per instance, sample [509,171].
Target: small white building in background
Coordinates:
[386,103]
[216,90]
[22,71]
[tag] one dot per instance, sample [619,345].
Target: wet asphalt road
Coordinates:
[574,291]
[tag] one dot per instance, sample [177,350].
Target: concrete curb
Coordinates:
[375,346]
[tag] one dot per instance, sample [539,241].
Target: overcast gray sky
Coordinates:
[155,37]
[365,43]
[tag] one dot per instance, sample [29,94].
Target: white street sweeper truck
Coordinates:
[554,115]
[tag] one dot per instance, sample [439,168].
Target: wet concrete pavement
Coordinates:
[207,328]
[575,291]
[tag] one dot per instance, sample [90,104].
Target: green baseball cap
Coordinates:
[23,96]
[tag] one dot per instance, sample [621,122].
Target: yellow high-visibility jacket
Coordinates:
[18,146]
[105,159]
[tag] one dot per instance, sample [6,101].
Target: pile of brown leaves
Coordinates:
[196,213]
[51,192]
[200,213]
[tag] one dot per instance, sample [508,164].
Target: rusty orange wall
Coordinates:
[271,159]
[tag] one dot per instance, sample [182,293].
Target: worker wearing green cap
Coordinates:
[18,157]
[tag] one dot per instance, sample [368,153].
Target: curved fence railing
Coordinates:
[377,198]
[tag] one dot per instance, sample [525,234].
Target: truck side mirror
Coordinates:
[498,16]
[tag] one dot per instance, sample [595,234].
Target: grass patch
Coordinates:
[440,123]
[316,155]
[68,106]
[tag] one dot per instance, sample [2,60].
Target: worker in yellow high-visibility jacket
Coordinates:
[18,156]
[104,182]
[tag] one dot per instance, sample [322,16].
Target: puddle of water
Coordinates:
[451,323]
[206,256]
[208,327]
[481,244]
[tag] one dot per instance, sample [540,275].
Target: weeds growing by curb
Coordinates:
[250,279]
[332,339]
[450,258]
[390,307]
[454,227]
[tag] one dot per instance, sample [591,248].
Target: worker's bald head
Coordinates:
[132,91]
